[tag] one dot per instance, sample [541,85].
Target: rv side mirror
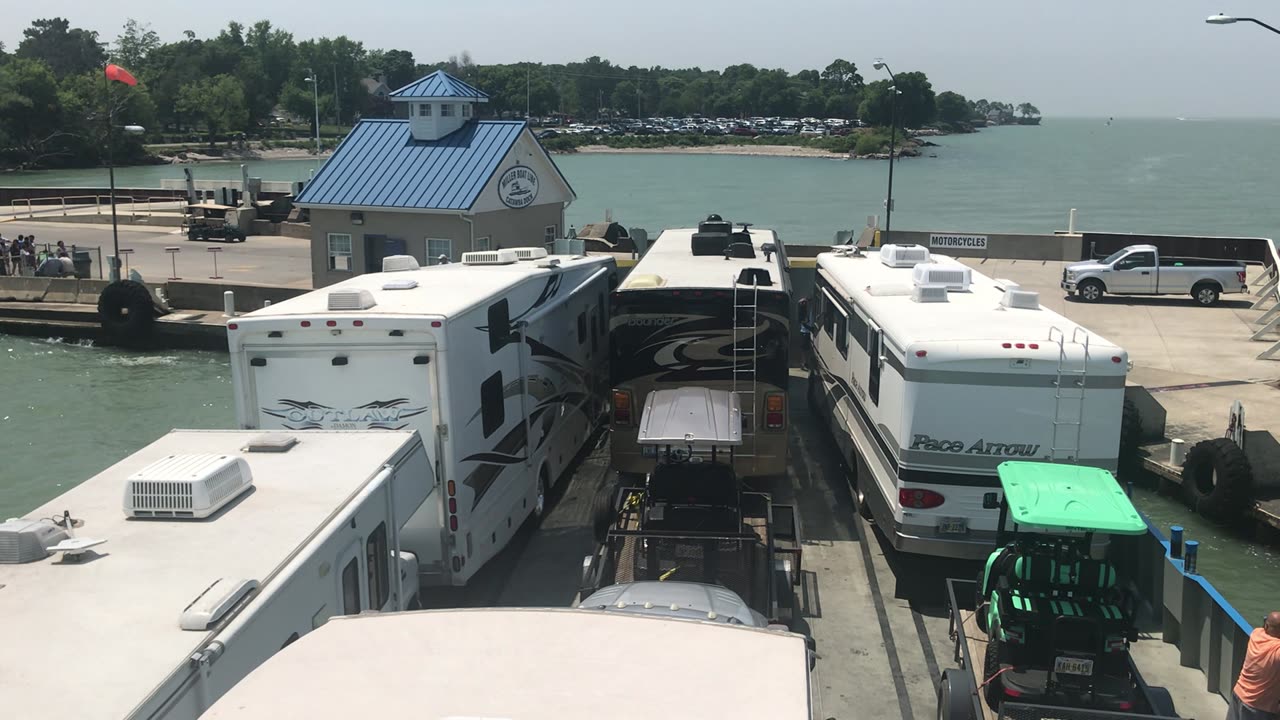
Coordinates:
[990,501]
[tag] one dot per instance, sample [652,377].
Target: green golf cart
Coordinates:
[1058,622]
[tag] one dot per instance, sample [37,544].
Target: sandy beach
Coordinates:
[250,154]
[757,150]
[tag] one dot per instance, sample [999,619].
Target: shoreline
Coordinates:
[749,150]
[195,158]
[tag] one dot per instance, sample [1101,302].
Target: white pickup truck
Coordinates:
[1142,270]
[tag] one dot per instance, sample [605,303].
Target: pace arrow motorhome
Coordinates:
[931,375]
[192,561]
[709,307]
[500,361]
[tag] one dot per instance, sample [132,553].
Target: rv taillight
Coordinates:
[1034,346]
[331,323]
[621,407]
[1115,358]
[453,489]
[1020,346]
[358,323]
[305,323]
[453,523]
[919,499]
[233,326]
[1006,346]
[921,353]
[775,407]
[436,323]
[453,505]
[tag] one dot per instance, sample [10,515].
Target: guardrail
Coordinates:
[1269,293]
[1209,633]
[125,205]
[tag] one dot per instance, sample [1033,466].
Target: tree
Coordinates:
[1027,110]
[30,116]
[953,108]
[135,44]
[65,50]
[219,101]
[396,66]
[842,76]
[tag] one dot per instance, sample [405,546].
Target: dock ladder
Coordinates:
[1069,388]
[746,304]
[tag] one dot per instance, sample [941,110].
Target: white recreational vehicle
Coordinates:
[931,375]
[532,664]
[150,589]
[500,361]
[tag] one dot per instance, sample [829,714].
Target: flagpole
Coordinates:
[111,173]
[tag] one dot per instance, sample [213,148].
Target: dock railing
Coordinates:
[1190,612]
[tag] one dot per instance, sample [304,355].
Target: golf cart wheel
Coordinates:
[980,604]
[1091,291]
[993,691]
[1206,294]
[954,691]
[1218,479]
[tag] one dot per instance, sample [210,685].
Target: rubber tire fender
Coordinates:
[1231,493]
[954,690]
[1130,439]
[126,312]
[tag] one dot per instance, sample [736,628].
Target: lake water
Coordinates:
[67,412]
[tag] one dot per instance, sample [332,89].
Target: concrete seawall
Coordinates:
[1006,246]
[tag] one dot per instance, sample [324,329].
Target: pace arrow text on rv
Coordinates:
[979,447]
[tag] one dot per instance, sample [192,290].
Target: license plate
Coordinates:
[1073,666]
[953,526]
[649,451]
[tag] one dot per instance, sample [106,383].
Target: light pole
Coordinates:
[893,139]
[1229,20]
[111,174]
[315,95]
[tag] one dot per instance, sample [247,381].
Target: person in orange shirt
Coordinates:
[1256,695]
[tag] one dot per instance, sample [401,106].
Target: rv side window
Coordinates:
[377,559]
[842,333]
[499,325]
[582,327]
[595,330]
[289,640]
[874,340]
[828,316]
[492,407]
[600,315]
[858,328]
[351,587]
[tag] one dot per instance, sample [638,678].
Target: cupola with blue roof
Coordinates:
[438,104]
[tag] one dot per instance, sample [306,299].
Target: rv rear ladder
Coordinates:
[1068,396]
[745,316]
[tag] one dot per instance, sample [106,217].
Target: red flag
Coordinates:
[119,74]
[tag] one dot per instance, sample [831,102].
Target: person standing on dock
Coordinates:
[1256,695]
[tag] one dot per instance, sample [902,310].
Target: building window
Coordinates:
[351,587]
[437,247]
[424,110]
[377,559]
[446,110]
[492,406]
[549,234]
[481,243]
[340,252]
[466,110]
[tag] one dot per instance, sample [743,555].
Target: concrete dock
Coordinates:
[879,618]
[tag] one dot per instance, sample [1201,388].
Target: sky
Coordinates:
[1134,58]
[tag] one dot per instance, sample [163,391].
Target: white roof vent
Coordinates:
[956,277]
[489,257]
[1020,299]
[351,299]
[888,290]
[212,605]
[400,284]
[929,293]
[530,253]
[23,541]
[399,263]
[1007,284]
[186,486]
[903,256]
[271,443]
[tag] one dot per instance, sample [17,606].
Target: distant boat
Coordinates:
[1109,121]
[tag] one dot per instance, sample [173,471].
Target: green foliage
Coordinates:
[953,108]
[218,101]
[1027,110]
[873,142]
[65,50]
[134,44]
[916,105]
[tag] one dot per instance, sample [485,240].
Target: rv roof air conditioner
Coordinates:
[530,253]
[712,237]
[399,263]
[1020,299]
[956,277]
[929,292]
[186,486]
[360,299]
[490,257]
[903,256]
[24,541]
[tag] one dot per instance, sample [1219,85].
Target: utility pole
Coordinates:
[526,94]
[337,107]
[637,101]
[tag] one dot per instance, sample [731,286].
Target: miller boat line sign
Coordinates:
[966,242]
[518,187]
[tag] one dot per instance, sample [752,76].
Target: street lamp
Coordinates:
[893,139]
[1221,19]
[111,173]
[315,94]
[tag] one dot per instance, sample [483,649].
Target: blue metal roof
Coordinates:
[380,165]
[439,84]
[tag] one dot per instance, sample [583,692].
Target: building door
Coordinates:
[377,247]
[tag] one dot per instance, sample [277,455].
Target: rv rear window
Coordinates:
[499,325]
[492,407]
[351,587]
[377,559]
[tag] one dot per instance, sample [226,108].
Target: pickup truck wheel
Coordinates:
[1090,291]
[1206,294]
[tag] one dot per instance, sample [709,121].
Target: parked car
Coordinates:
[547,134]
[1142,270]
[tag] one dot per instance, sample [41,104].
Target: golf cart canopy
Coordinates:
[1069,497]
[691,416]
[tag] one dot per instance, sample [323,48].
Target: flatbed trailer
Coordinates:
[959,688]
